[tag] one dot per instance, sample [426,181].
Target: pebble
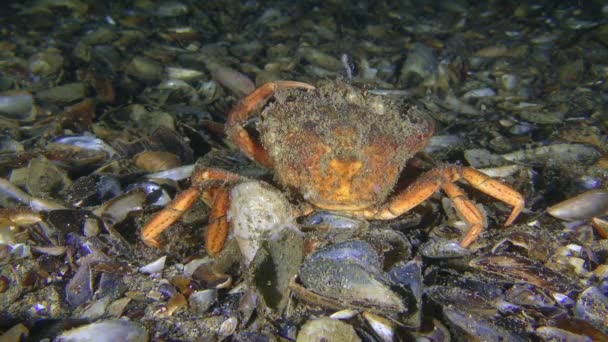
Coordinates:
[19,105]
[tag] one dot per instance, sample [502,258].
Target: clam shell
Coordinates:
[156,161]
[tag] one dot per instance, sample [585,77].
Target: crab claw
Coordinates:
[239,114]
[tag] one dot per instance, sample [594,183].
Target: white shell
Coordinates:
[106,331]
[155,266]
[257,212]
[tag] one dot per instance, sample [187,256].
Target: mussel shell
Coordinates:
[592,306]
[584,206]
[480,328]
[350,272]
[92,190]
[86,142]
[106,331]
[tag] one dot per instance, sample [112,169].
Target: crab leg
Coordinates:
[467,210]
[496,189]
[171,213]
[182,202]
[443,178]
[239,114]
[217,228]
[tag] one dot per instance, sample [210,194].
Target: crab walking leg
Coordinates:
[402,202]
[202,175]
[496,189]
[239,114]
[171,213]
[217,228]
[443,178]
[182,202]
[467,210]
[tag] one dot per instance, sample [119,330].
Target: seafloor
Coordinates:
[106,108]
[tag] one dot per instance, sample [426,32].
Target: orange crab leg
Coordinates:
[496,189]
[239,114]
[217,228]
[467,210]
[443,178]
[183,201]
[171,213]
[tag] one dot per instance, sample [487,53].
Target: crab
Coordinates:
[342,149]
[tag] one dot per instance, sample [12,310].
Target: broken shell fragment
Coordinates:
[156,194]
[556,153]
[562,153]
[176,303]
[10,192]
[175,174]
[155,266]
[116,210]
[581,207]
[209,277]
[521,269]
[80,288]
[92,190]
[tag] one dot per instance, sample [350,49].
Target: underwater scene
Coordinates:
[182,170]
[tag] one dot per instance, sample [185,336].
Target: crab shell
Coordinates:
[341,148]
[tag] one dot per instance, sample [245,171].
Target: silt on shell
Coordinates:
[257,212]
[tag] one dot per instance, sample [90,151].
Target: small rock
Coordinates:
[17,105]
[326,329]
[145,69]
[420,67]
[572,72]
